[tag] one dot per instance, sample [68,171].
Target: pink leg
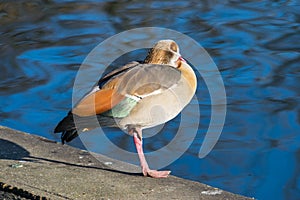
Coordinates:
[145,168]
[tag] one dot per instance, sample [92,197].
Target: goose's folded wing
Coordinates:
[105,80]
[97,102]
[148,79]
[139,80]
[100,99]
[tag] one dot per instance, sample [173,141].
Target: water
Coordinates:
[255,45]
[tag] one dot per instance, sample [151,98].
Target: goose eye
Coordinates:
[173,47]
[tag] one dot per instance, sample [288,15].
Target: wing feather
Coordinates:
[133,79]
[97,103]
[146,79]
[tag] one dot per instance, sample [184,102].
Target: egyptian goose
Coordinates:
[136,96]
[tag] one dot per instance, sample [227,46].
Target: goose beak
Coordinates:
[181,59]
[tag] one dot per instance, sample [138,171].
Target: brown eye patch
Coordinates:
[173,46]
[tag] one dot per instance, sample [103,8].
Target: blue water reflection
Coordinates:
[255,44]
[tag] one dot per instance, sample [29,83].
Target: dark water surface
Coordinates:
[255,45]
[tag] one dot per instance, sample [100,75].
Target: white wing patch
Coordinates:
[133,97]
[152,93]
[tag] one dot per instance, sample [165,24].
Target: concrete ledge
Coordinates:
[34,167]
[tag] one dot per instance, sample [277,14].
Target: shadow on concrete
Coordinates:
[13,151]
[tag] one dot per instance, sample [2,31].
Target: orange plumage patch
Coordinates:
[97,103]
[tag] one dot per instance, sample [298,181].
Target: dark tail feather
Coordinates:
[69,130]
[66,124]
[68,136]
[67,127]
